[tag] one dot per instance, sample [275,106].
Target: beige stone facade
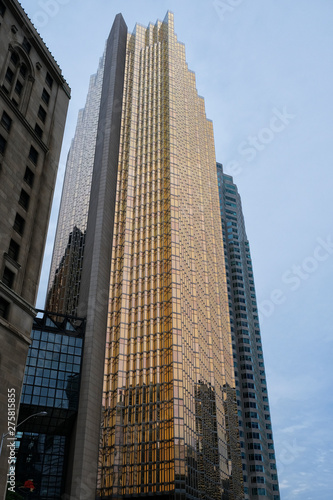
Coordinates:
[33,106]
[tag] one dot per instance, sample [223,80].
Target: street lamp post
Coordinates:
[39,414]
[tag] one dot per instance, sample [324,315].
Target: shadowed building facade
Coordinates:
[33,106]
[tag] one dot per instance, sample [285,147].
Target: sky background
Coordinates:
[265,70]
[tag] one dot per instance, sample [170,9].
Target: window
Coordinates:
[26,45]
[23,71]
[250,404]
[258,479]
[9,75]
[19,224]
[33,155]
[256,456]
[18,87]
[2,9]
[251,414]
[49,80]
[256,468]
[252,425]
[14,58]
[46,96]
[258,491]
[248,385]
[29,176]
[249,395]
[42,114]
[24,199]
[8,277]
[38,130]
[253,435]
[254,446]
[13,250]
[3,144]
[4,305]
[6,121]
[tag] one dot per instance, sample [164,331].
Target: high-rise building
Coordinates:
[158,356]
[66,267]
[256,437]
[33,106]
[169,358]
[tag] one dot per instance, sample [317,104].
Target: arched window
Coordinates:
[17,77]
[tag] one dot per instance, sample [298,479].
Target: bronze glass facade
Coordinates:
[169,380]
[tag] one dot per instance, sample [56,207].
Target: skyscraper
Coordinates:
[66,267]
[256,438]
[33,106]
[169,382]
[158,326]
[144,261]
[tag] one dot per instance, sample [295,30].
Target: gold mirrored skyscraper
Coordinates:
[169,368]
[153,286]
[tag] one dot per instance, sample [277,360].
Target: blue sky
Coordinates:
[265,70]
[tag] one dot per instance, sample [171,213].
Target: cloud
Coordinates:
[293,428]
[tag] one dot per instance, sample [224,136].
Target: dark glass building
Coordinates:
[51,384]
[256,438]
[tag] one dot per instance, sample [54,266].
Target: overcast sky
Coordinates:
[265,70]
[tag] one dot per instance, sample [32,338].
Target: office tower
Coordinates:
[66,267]
[258,458]
[51,384]
[33,105]
[152,285]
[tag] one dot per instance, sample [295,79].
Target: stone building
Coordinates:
[33,105]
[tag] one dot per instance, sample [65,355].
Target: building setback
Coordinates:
[256,437]
[33,106]
[158,362]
